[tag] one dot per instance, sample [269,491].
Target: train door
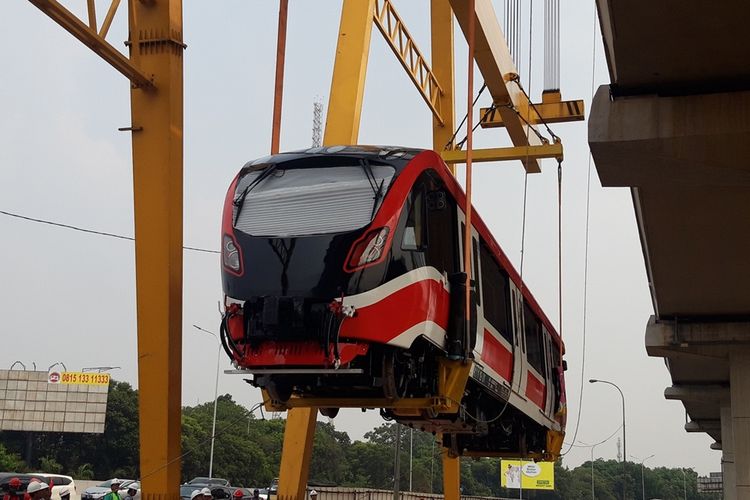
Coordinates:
[474,274]
[536,381]
[549,375]
[519,338]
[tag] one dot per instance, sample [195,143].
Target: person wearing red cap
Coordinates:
[15,490]
[237,495]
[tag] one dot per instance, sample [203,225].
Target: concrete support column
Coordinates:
[727,455]
[739,387]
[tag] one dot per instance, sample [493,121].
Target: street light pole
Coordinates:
[643,482]
[624,445]
[216,399]
[684,483]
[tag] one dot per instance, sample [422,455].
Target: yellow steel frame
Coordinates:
[523,153]
[552,109]
[155,71]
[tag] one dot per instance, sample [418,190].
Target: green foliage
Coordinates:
[84,472]
[10,461]
[49,464]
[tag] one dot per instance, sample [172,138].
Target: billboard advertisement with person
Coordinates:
[527,475]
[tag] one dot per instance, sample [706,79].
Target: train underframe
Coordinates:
[485,424]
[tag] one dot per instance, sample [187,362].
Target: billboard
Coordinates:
[40,401]
[527,475]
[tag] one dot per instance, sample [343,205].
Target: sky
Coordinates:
[70,297]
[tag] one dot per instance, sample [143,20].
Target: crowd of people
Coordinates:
[36,490]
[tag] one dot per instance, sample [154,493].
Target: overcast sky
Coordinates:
[70,297]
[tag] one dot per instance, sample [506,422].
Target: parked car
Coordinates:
[101,489]
[205,481]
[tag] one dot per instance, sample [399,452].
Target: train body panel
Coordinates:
[352,258]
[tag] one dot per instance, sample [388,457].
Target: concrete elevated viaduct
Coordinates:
[674,127]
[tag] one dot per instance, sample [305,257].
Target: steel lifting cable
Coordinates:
[586,250]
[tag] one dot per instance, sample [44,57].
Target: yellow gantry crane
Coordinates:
[155,71]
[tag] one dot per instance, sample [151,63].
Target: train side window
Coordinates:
[414,231]
[534,339]
[496,294]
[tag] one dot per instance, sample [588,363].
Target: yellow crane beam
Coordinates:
[89,37]
[525,154]
[408,54]
[552,109]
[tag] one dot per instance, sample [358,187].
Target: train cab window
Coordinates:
[534,339]
[442,249]
[414,230]
[495,293]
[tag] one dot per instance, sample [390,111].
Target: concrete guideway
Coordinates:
[674,127]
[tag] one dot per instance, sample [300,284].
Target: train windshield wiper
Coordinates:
[377,189]
[240,200]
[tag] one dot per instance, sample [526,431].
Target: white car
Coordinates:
[98,491]
[58,482]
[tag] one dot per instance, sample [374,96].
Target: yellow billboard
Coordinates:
[527,475]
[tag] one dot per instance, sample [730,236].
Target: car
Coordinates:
[58,482]
[101,489]
[205,481]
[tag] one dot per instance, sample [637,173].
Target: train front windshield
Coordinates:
[278,202]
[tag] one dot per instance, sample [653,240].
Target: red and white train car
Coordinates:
[343,278]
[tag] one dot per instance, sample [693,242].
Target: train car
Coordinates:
[342,269]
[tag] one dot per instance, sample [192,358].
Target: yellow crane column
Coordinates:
[342,127]
[157,120]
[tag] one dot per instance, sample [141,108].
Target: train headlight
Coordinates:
[369,249]
[231,254]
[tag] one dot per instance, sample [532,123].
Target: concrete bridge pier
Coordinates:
[710,367]
[727,454]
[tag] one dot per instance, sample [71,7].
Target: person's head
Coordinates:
[38,490]
[132,492]
[15,484]
[115,485]
[196,495]
[313,495]
[256,493]
[206,492]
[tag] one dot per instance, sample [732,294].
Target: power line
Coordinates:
[90,231]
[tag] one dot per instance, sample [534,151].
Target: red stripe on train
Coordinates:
[536,391]
[497,356]
[425,300]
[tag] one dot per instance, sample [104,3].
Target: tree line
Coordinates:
[248,453]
